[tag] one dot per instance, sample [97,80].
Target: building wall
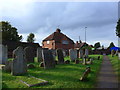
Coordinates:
[51,44]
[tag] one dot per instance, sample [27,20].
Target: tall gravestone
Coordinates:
[60,56]
[81,53]
[73,54]
[39,54]
[29,54]
[19,65]
[48,59]
[3,54]
[86,52]
[54,54]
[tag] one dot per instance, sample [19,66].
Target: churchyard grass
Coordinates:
[62,76]
[115,63]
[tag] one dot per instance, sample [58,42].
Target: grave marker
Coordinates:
[60,56]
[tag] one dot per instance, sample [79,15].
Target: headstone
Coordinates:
[112,53]
[39,54]
[98,57]
[85,74]
[119,55]
[29,55]
[73,54]
[84,60]
[81,53]
[77,61]
[30,66]
[54,54]
[41,64]
[8,65]
[19,65]
[3,54]
[48,59]
[67,62]
[86,52]
[60,56]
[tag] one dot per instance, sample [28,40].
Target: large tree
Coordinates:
[8,32]
[97,45]
[111,45]
[31,38]
[118,28]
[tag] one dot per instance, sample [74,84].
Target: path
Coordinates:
[106,77]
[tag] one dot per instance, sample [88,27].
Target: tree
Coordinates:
[97,45]
[9,33]
[31,38]
[111,45]
[118,28]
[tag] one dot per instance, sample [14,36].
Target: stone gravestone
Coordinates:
[39,54]
[29,54]
[54,54]
[98,58]
[85,74]
[48,59]
[116,53]
[19,65]
[86,52]
[84,60]
[60,56]
[81,54]
[3,54]
[73,54]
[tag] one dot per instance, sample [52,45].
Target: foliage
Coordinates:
[31,38]
[111,45]
[9,33]
[97,45]
[118,28]
[62,76]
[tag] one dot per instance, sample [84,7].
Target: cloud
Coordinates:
[42,18]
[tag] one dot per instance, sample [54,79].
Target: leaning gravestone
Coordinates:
[73,54]
[19,65]
[48,59]
[3,54]
[60,56]
[29,55]
[81,54]
[39,54]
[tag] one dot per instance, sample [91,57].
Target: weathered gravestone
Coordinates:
[85,74]
[29,54]
[60,56]
[80,53]
[73,54]
[86,52]
[48,59]
[54,54]
[84,60]
[3,54]
[19,65]
[39,54]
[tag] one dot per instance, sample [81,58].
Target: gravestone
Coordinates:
[54,54]
[41,64]
[48,59]
[39,54]
[19,65]
[29,54]
[116,53]
[67,62]
[30,66]
[86,52]
[98,58]
[112,53]
[85,74]
[60,56]
[77,61]
[81,53]
[73,54]
[84,60]
[64,53]
[119,55]
[3,54]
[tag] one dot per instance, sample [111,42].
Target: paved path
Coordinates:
[106,77]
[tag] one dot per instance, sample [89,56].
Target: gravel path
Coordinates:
[106,77]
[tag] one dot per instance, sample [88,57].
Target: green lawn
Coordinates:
[115,62]
[63,76]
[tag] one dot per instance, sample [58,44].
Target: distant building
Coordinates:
[58,40]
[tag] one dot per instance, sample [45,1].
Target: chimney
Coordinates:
[58,30]
[76,42]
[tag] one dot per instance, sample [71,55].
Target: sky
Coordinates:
[42,19]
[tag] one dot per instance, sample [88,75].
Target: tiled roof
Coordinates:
[58,37]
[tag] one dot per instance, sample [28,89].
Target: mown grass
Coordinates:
[115,63]
[62,76]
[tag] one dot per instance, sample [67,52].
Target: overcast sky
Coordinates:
[42,19]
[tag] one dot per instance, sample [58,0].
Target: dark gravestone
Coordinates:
[29,54]
[41,64]
[8,66]
[39,54]
[77,61]
[85,74]
[67,62]
[60,56]
[98,57]
[19,65]
[48,59]
[56,62]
